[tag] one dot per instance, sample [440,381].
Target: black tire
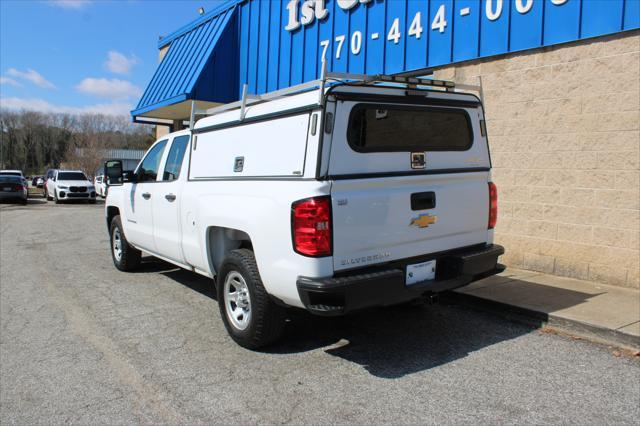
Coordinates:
[130,256]
[267,319]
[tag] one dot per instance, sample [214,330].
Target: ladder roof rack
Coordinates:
[328,77]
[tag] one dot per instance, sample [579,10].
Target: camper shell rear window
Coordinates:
[400,128]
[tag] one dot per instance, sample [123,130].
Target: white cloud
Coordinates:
[32,76]
[69,4]
[40,105]
[119,63]
[9,82]
[111,89]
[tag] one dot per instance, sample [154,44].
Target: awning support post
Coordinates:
[243,106]
[192,117]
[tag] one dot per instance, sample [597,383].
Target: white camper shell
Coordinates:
[336,195]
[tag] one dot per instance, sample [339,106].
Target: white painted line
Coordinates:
[465,11]
[375,36]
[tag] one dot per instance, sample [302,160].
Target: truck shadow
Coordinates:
[191,280]
[392,342]
[389,342]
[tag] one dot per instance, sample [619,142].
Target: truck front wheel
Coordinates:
[125,257]
[251,318]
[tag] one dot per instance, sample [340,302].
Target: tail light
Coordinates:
[311,226]
[493,205]
[19,187]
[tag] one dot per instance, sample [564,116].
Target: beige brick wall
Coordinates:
[564,131]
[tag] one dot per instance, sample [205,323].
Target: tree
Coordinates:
[33,141]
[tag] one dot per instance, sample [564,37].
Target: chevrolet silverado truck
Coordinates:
[345,193]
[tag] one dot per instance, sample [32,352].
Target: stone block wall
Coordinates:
[564,131]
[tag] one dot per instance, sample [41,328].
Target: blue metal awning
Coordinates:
[209,44]
[274,44]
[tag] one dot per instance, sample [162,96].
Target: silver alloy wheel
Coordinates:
[237,301]
[117,244]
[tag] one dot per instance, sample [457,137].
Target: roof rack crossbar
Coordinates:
[383,78]
[252,99]
[325,76]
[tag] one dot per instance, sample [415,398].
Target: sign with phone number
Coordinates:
[493,10]
[284,42]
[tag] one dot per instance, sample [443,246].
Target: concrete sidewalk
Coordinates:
[597,311]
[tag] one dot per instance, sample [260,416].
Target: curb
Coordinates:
[540,319]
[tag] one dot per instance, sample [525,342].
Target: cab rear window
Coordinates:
[377,128]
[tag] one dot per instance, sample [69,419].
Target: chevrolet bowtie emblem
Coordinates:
[424,220]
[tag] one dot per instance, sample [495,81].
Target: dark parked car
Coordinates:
[37,181]
[12,188]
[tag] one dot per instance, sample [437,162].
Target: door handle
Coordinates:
[423,200]
[146,195]
[170,197]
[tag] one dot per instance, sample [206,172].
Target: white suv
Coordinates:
[330,200]
[100,185]
[66,185]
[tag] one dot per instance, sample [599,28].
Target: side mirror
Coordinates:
[113,172]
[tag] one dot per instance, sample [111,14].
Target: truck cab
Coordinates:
[330,198]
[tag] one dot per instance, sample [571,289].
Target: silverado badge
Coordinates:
[423,220]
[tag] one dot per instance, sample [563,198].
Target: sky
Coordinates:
[80,56]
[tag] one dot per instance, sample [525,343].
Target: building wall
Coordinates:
[272,57]
[564,131]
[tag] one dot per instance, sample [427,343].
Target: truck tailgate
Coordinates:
[381,219]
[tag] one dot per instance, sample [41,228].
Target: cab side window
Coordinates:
[174,159]
[148,169]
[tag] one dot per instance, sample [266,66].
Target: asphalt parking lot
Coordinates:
[83,343]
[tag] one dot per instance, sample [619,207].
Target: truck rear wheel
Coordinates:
[125,257]
[251,318]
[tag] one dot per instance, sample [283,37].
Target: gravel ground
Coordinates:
[83,343]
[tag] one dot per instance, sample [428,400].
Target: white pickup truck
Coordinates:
[328,197]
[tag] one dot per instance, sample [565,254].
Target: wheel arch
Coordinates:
[112,211]
[220,241]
